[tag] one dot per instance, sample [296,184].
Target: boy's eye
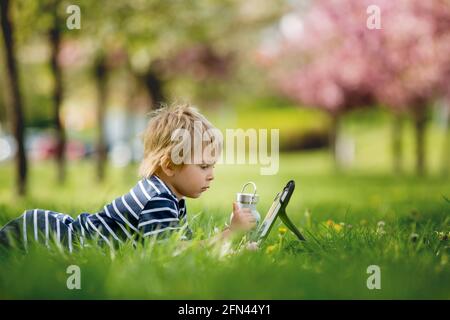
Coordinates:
[206,166]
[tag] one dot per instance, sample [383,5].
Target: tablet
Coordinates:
[278,208]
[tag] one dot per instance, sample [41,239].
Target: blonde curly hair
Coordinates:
[158,137]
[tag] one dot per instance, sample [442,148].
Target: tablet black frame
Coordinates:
[283,200]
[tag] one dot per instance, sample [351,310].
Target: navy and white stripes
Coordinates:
[149,208]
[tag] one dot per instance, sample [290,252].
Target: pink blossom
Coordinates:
[338,63]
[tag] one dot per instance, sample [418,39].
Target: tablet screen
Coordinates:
[270,217]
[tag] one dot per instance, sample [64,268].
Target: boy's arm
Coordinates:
[242,220]
[226,234]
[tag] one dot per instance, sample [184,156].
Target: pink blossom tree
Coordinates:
[337,62]
[415,59]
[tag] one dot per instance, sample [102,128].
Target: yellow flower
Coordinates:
[282,230]
[271,249]
[337,227]
[329,223]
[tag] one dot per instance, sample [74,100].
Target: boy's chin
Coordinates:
[197,195]
[193,195]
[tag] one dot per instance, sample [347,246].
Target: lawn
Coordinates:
[352,219]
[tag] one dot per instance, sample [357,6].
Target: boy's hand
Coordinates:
[252,246]
[242,219]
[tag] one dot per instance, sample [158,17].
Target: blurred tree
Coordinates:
[152,80]
[2,104]
[321,63]
[446,148]
[446,145]
[2,95]
[14,100]
[397,141]
[442,29]
[153,34]
[48,25]
[156,33]
[335,60]
[155,37]
[101,73]
[415,61]
[54,36]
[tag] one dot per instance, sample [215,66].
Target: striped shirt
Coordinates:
[149,209]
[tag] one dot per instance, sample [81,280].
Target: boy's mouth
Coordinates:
[205,188]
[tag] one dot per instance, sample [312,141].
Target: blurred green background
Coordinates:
[371,165]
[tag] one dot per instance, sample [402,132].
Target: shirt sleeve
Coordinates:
[159,216]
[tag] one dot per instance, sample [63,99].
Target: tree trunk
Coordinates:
[2,106]
[446,147]
[14,102]
[333,137]
[420,125]
[100,78]
[397,143]
[154,85]
[55,43]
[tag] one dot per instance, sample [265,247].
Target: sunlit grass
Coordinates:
[339,213]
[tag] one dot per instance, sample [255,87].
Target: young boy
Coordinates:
[171,170]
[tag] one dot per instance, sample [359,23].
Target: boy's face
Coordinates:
[191,180]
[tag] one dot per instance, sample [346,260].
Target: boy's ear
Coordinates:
[167,166]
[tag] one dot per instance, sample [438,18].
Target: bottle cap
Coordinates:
[248,198]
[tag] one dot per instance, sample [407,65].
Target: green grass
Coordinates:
[332,264]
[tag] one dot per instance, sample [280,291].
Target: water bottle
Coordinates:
[249,200]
